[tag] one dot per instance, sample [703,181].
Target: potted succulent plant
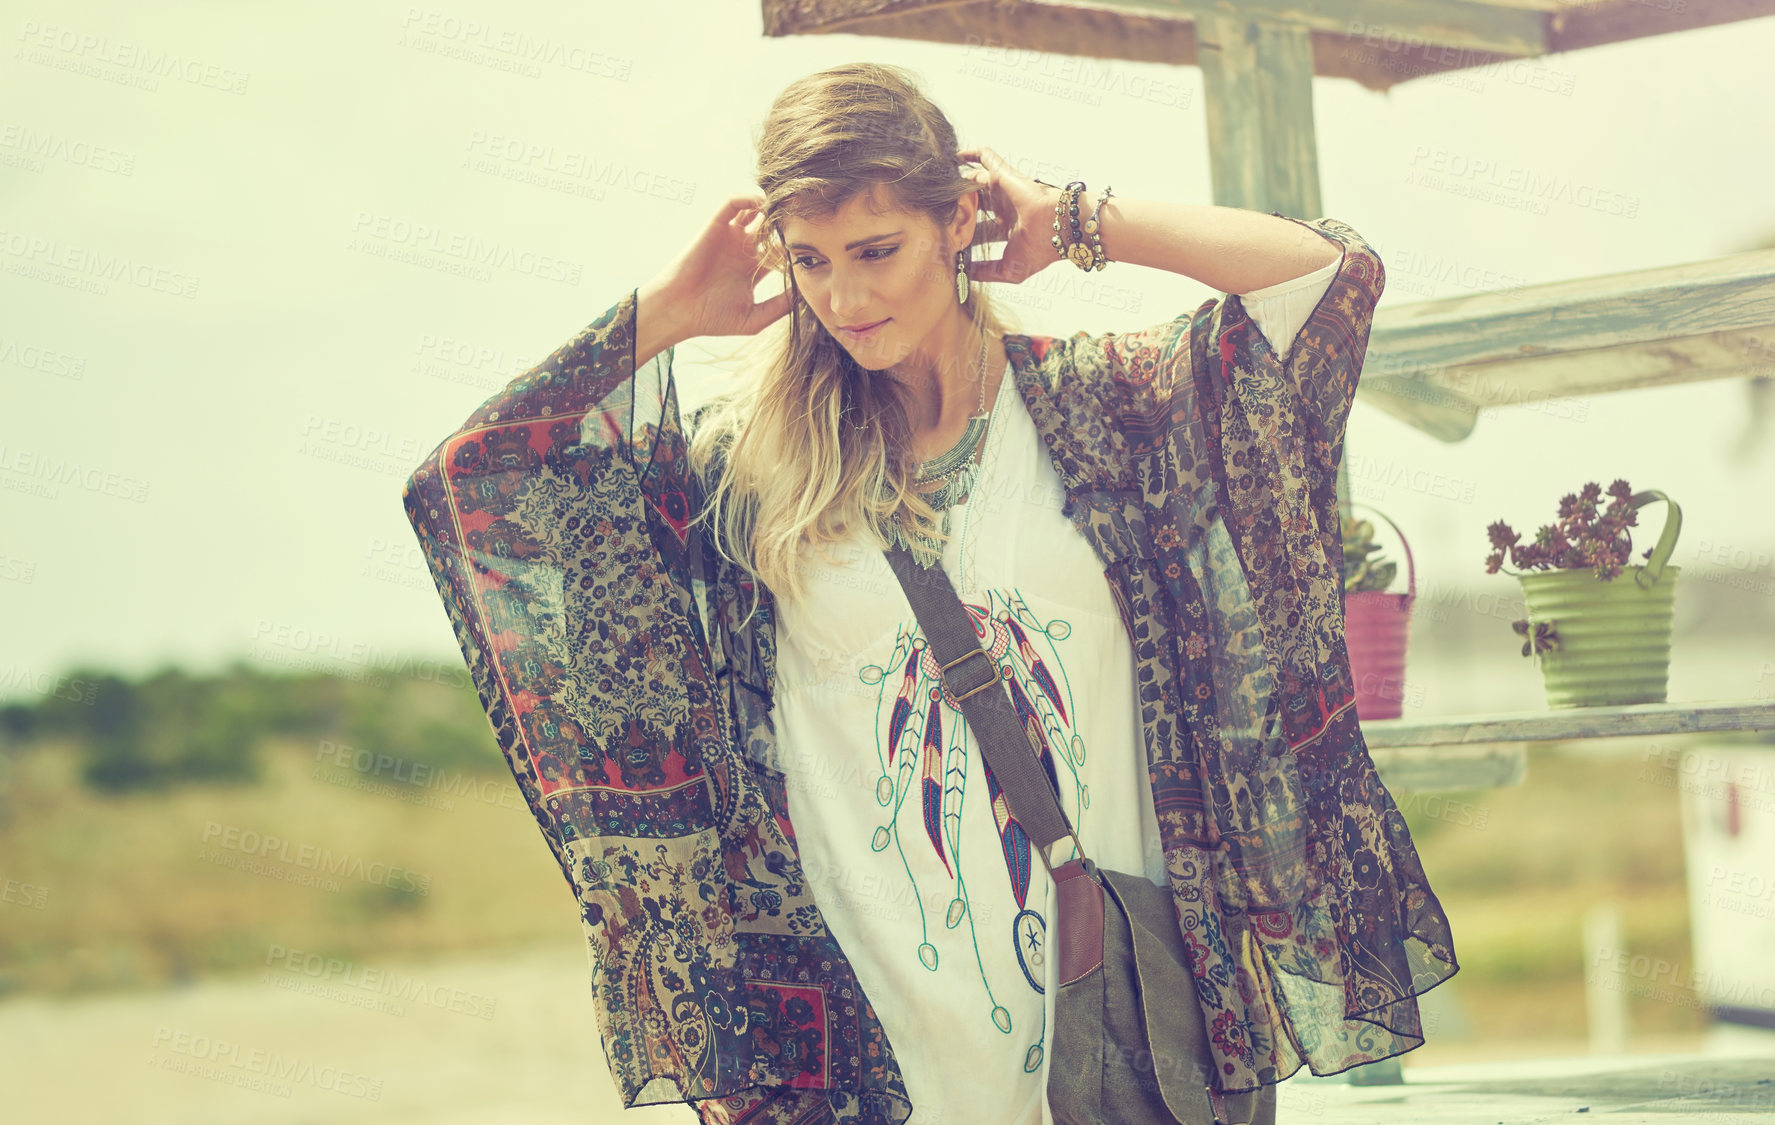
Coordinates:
[1598,625]
[1376,623]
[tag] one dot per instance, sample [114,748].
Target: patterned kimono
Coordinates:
[605,638]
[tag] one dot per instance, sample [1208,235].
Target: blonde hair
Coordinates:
[810,444]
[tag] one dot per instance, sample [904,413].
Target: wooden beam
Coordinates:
[1435,364]
[988,30]
[1418,402]
[1447,25]
[1447,769]
[1590,25]
[1377,43]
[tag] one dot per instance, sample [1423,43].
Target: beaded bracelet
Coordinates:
[1092,225]
[1085,255]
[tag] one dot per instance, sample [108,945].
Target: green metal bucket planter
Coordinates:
[1603,644]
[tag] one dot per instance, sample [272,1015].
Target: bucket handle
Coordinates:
[1662,550]
[1411,570]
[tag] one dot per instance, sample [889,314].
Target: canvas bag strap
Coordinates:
[970,675]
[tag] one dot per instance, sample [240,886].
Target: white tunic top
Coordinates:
[941,904]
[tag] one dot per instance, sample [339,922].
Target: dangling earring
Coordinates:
[961,277]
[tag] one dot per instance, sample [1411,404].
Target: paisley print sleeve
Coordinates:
[1119,396]
[1320,366]
[554,522]
[1274,417]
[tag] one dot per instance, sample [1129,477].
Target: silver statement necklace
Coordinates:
[957,468]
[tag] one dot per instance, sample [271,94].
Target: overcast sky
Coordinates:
[243,405]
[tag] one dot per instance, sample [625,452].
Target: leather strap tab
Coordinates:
[1079,900]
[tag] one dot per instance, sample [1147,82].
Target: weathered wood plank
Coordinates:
[1589,25]
[1425,769]
[1376,43]
[1443,414]
[1723,294]
[1502,29]
[1640,719]
[1257,79]
[1476,27]
[1435,364]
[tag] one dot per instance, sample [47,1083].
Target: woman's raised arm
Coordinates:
[709,290]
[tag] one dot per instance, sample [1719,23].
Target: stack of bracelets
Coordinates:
[1070,236]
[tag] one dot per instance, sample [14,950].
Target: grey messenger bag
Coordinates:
[1129,1045]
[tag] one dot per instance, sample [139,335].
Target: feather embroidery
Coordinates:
[932,786]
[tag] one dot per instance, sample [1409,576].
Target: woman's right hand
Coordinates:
[708,291]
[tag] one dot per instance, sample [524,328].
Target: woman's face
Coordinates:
[895,268]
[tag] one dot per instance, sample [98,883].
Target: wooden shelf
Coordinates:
[1426,769]
[1436,364]
[1489,751]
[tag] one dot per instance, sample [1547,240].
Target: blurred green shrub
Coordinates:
[172,727]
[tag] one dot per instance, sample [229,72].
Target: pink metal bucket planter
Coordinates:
[1376,627]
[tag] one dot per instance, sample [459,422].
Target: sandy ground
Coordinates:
[204,1054]
[152,1058]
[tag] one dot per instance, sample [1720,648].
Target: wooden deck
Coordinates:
[538,1061]
[1724,1089]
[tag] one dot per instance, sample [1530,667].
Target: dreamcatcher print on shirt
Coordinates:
[924,749]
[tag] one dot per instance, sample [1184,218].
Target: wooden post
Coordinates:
[1605,985]
[1258,80]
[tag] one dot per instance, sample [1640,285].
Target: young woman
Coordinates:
[804,895]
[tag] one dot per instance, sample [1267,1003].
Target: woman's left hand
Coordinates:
[1021,216]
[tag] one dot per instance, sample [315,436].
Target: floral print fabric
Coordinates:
[604,637]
